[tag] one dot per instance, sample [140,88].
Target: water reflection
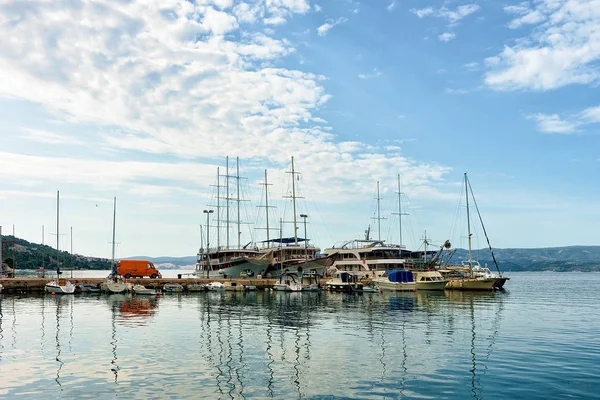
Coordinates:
[261,345]
[477,305]
[60,302]
[1,329]
[115,301]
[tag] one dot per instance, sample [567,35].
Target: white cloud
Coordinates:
[43,136]
[472,66]
[591,114]
[456,91]
[180,83]
[391,6]
[552,123]
[446,37]
[423,12]
[562,48]
[375,74]
[452,16]
[218,22]
[326,27]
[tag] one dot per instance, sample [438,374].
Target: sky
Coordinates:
[144,100]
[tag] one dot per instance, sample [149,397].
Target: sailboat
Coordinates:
[228,261]
[291,254]
[59,285]
[471,277]
[114,282]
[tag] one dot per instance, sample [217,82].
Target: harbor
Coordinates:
[278,344]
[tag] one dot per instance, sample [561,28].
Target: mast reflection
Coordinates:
[484,301]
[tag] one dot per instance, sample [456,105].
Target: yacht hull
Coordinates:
[474,283]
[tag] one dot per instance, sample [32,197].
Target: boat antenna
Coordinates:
[483,227]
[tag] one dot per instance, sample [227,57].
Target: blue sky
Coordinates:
[143,101]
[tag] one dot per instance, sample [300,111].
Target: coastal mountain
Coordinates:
[559,259]
[27,255]
[21,254]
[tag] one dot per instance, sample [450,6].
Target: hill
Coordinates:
[559,259]
[166,262]
[21,254]
[27,255]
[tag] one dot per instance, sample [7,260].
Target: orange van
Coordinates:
[137,269]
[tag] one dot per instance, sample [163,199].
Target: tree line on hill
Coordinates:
[21,254]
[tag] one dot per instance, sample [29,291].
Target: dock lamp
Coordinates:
[304,216]
[207,212]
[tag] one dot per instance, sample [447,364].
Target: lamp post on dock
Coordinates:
[207,212]
[304,216]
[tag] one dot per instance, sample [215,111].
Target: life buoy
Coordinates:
[364,261]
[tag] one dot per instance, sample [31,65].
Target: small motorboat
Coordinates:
[196,287]
[215,287]
[143,290]
[172,288]
[288,282]
[310,281]
[115,284]
[232,286]
[370,289]
[396,281]
[87,288]
[60,286]
[344,281]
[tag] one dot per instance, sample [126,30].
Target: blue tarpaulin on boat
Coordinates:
[400,276]
[284,240]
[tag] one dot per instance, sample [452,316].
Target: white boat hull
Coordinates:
[384,284]
[56,288]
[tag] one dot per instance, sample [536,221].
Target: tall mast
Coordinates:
[43,254]
[57,233]
[468,220]
[237,178]
[400,213]
[112,264]
[218,211]
[267,205]
[378,217]
[294,202]
[378,214]
[227,197]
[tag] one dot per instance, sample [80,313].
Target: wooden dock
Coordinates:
[25,285]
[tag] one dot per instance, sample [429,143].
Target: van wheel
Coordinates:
[127,276]
[153,276]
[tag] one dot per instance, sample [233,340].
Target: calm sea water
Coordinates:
[536,340]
